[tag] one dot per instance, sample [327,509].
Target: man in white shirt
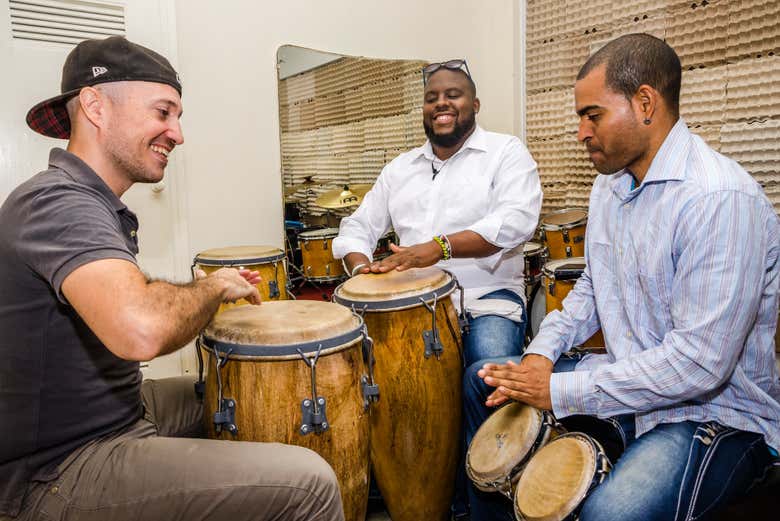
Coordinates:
[465,201]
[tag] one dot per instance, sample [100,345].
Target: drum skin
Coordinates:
[271,270]
[268,396]
[554,225]
[554,301]
[317,254]
[416,424]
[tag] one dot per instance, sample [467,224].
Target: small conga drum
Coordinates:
[317,254]
[535,256]
[293,372]
[269,261]
[563,232]
[558,279]
[505,442]
[559,477]
[415,425]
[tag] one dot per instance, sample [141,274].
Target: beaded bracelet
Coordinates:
[444,243]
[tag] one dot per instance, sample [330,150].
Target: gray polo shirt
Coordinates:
[59,386]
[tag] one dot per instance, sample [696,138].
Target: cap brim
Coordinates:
[50,117]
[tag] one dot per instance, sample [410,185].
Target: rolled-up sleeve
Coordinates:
[360,232]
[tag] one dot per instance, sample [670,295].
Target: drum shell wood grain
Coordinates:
[268,396]
[416,424]
[561,288]
[317,255]
[556,246]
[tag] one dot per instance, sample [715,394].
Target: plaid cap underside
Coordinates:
[50,117]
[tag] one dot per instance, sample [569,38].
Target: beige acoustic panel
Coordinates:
[699,34]
[755,147]
[299,144]
[330,109]
[338,76]
[348,138]
[413,129]
[576,160]
[300,87]
[382,98]
[412,91]
[372,133]
[324,141]
[772,191]
[710,134]
[307,119]
[642,20]
[394,132]
[703,95]
[549,64]
[753,89]
[333,169]
[754,28]
[583,46]
[545,19]
[545,113]
[353,104]
[593,16]
[548,155]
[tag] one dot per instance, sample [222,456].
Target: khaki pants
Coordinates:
[154,471]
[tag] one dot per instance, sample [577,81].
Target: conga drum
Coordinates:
[293,372]
[505,442]
[415,425]
[558,278]
[563,232]
[559,477]
[269,261]
[317,253]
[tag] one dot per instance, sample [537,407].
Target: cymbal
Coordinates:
[343,197]
[308,182]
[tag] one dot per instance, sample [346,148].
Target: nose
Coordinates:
[584,131]
[175,133]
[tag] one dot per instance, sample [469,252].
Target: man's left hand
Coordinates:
[405,257]
[527,382]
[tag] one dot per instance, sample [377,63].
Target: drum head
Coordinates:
[564,219]
[572,264]
[395,289]
[275,328]
[532,248]
[556,479]
[324,233]
[235,255]
[503,441]
[538,310]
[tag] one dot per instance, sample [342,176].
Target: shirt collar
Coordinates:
[476,141]
[667,165]
[82,173]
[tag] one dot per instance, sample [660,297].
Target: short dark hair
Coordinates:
[639,59]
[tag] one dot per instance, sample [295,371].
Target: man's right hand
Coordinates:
[355,259]
[238,284]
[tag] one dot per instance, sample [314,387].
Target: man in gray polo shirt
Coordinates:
[80,436]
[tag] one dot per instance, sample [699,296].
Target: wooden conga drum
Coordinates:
[564,232]
[261,385]
[558,279]
[317,253]
[269,261]
[415,425]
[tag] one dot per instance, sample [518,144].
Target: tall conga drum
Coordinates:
[293,372]
[415,424]
[563,232]
[558,279]
[269,261]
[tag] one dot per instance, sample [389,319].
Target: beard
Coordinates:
[130,163]
[462,127]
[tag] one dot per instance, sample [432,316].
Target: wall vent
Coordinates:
[65,21]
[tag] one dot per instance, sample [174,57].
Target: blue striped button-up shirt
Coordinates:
[682,277]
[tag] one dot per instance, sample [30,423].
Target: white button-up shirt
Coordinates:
[490,186]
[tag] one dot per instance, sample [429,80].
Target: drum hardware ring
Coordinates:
[433,345]
[565,235]
[463,322]
[225,416]
[368,386]
[313,409]
[273,285]
[200,383]
[568,251]
[578,238]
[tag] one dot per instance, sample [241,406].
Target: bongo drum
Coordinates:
[317,254]
[563,232]
[293,372]
[505,442]
[558,278]
[415,425]
[269,261]
[559,477]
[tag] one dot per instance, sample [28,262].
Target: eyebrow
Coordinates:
[170,104]
[585,110]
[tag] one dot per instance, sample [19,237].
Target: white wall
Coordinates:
[227,55]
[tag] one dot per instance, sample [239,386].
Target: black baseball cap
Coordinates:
[99,61]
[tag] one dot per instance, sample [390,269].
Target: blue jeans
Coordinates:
[681,471]
[489,336]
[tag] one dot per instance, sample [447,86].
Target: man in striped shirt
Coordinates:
[682,277]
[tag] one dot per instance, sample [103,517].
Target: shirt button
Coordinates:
[628,334]
[55,489]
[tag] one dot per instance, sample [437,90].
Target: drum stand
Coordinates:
[299,280]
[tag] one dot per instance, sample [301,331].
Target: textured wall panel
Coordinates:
[755,146]
[545,19]
[710,134]
[703,95]
[699,34]
[544,114]
[754,89]
[587,16]
[549,64]
[754,28]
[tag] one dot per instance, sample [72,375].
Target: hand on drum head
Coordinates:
[405,257]
[527,382]
[238,284]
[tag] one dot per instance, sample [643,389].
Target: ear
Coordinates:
[476,105]
[646,102]
[94,106]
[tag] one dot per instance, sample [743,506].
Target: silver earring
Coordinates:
[647,121]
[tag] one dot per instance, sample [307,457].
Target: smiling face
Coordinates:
[449,106]
[143,129]
[610,124]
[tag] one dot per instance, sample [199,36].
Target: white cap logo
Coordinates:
[97,71]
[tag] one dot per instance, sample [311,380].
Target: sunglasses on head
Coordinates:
[453,65]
